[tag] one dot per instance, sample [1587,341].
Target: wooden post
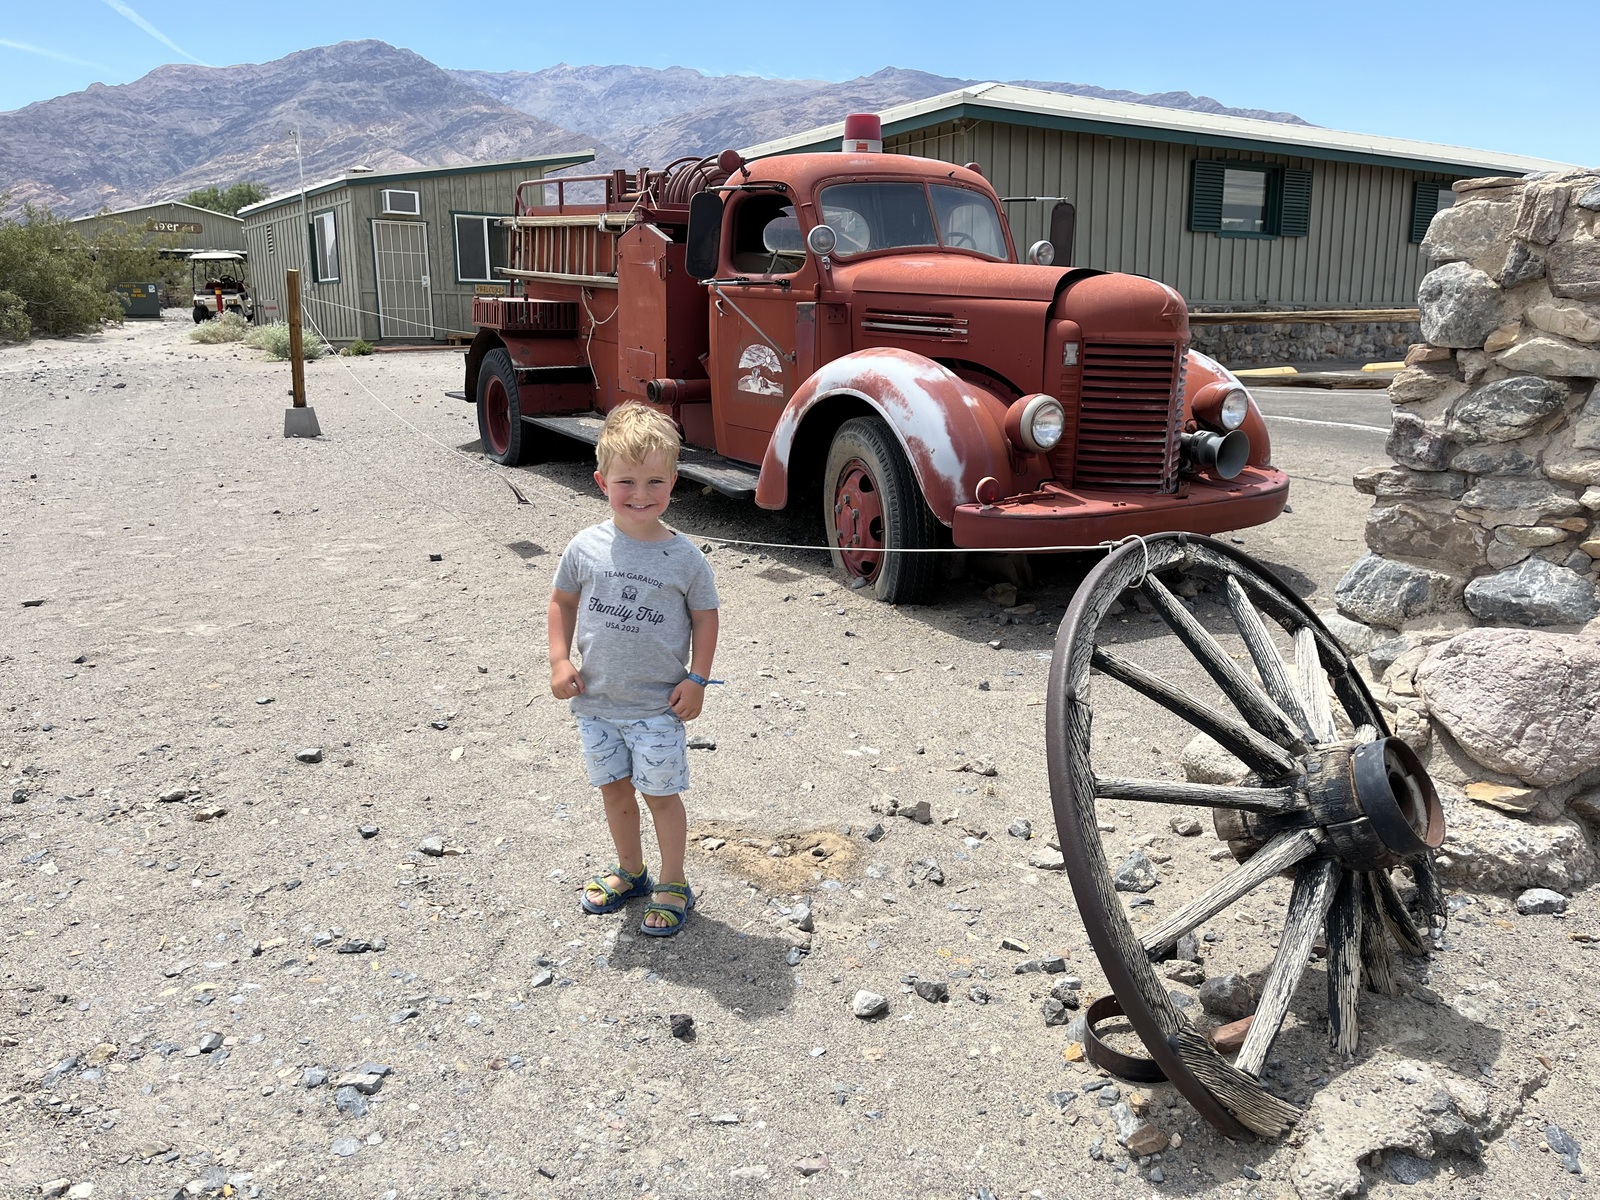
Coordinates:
[301,420]
[297,363]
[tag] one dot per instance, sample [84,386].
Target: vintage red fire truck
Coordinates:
[861,325]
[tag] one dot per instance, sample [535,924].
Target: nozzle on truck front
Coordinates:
[1223,455]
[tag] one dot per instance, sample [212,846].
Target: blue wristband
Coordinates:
[700,679]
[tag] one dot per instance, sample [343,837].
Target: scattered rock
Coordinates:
[1189,973]
[1136,874]
[1229,1038]
[1021,828]
[350,1102]
[814,1165]
[869,1005]
[699,741]
[368,831]
[433,847]
[1355,637]
[934,991]
[1228,996]
[1185,825]
[311,755]
[1205,761]
[1541,901]
[921,812]
[313,1077]
[210,1043]
[682,1026]
[541,978]
[346,1146]
[1562,1143]
[1043,858]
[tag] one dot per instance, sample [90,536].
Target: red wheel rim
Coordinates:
[858,520]
[497,414]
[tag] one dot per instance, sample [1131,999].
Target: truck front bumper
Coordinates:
[1056,516]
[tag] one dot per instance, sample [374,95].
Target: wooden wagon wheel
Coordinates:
[1338,803]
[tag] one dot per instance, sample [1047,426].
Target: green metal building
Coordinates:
[391,256]
[1234,213]
[181,228]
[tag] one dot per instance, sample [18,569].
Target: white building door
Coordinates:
[400,251]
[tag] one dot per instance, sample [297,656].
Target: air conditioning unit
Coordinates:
[400,204]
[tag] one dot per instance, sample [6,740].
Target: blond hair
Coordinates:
[632,433]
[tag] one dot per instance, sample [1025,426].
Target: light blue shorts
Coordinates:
[650,751]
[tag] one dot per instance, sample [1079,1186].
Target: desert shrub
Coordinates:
[14,323]
[229,327]
[60,279]
[227,200]
[274,339]
[357,348]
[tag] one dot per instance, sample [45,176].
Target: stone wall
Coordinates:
[1260,345]
[1479,591]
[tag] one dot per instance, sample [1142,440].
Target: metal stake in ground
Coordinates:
[299,421]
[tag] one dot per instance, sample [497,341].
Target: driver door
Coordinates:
[754,359]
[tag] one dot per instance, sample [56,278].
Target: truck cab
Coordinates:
[860,325]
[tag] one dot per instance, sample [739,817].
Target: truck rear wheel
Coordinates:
[872,506]
[500,409]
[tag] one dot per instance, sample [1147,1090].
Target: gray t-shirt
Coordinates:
[633,618]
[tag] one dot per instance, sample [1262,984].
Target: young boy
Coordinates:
[637,599]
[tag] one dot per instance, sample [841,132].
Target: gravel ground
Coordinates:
[228,968]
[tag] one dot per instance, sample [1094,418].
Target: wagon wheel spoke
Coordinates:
[1395,915]
[1366,733]
[1344,964]
[1276,856]
[1377,958]
[1269,663]
[1258,753]
[1254,704]
[1203,795]
[1314,886]
[1313,681]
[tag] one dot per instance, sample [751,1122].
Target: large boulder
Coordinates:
[1426,530]
[1507,409]
[1495,851]
[1545,354]
[1535,592]
[1518,701]
[1460,306]
[1466,231]
[1378,591]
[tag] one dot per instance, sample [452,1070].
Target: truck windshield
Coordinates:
[884,216]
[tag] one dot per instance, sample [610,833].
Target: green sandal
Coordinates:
[638,885]
[675,915]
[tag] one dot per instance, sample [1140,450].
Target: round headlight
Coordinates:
[822,240]
[1035,423]
[1235,407]
[1042,254]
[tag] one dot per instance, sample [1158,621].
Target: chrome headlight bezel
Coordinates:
[1037,423]
[1233,410]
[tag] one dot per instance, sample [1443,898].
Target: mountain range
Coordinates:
[367,103]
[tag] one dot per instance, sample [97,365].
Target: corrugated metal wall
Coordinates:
[218,231]
[357,206]
[1132,202]
[333,306]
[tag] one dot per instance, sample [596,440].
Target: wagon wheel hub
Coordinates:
[1323,794]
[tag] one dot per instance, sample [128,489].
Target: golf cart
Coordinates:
[217,278]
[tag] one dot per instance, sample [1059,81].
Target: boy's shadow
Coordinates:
[743,972]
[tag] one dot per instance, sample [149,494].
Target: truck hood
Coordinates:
[952,275]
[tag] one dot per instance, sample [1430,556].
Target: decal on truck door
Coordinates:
[763,370]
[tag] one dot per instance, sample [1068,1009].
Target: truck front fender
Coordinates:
[952,431]
[1203,370]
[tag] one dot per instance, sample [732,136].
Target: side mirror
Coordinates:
[1063,227]
[704,245]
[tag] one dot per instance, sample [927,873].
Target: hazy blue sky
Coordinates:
[1515,77]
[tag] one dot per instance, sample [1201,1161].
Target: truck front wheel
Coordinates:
[500,409]
[873,507]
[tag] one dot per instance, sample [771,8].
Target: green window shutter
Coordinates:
[1205,197]
[1295,214]
[1424,204]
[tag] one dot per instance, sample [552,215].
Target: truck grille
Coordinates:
[1127,416]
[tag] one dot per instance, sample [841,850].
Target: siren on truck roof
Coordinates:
[863,134]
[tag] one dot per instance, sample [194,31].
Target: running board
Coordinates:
[706,467]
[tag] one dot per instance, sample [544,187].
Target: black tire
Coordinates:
[201,313]
[500,410]
[868,488]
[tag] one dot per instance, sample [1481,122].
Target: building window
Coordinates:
[324,247]
[1429,198]
[1249,199]
[480,248]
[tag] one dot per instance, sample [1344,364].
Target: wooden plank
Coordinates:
[605,281]
[1316,316]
